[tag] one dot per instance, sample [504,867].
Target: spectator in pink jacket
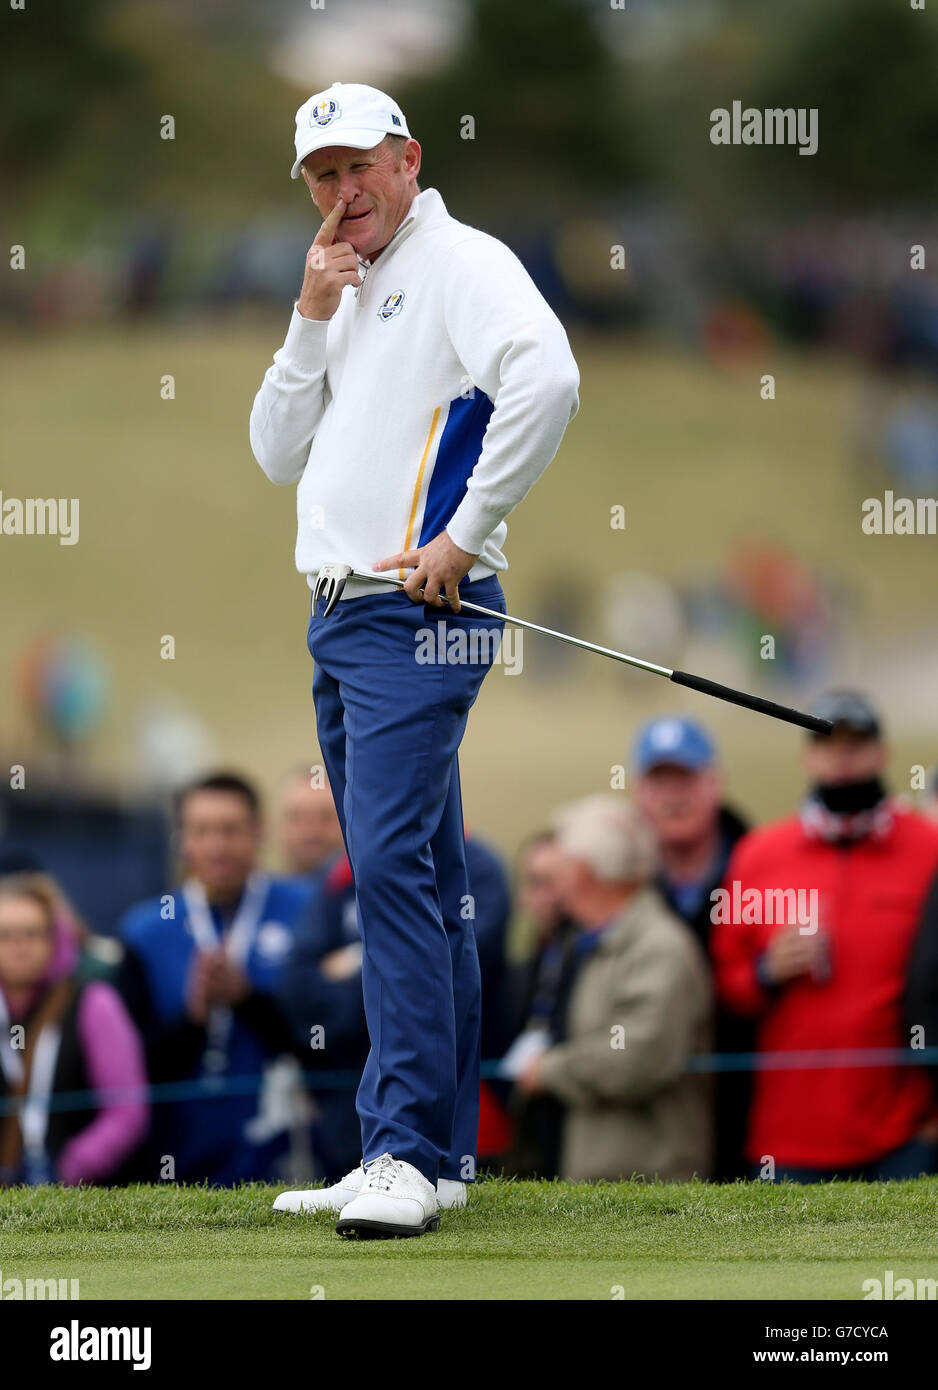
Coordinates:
[58,1035]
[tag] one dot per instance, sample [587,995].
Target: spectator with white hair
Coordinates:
[637,1004]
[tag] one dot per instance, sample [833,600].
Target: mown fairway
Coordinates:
[514,1241]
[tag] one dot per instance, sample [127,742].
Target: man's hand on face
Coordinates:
[439,565]
[330,266]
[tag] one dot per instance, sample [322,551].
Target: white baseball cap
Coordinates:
[347,113]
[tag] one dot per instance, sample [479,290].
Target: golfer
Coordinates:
[423,387]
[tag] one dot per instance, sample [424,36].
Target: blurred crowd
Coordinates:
[667,991]
[830,284]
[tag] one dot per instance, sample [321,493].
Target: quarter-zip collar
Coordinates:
[423,206]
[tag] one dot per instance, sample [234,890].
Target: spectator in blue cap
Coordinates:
[679,790]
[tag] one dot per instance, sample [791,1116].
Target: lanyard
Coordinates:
[236,944]
[34,1115]
[34,1118]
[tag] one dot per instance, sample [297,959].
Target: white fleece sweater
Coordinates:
[435,397]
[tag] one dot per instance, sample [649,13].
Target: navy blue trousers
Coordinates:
[390,721]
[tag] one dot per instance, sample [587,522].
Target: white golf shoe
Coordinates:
[449,1194]
[332,1198]
[394,1200]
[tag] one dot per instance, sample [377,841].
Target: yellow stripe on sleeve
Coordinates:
[418,484]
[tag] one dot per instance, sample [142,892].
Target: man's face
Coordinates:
[575,881]
[309,826]
[377,191]
[220,838]
[26,942]
[844,757]
[680,804]
[539,885]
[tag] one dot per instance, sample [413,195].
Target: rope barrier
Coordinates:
[215,1087]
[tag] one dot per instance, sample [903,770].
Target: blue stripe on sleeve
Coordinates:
[457,455]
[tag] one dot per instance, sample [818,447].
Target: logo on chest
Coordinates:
[392,305]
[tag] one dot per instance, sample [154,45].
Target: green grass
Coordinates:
[516,1240]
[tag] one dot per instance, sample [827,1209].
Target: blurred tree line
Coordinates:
[563,117]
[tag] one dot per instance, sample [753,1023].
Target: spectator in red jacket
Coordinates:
[813,931]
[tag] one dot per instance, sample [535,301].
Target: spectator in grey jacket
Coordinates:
[638,1006]
[678,789]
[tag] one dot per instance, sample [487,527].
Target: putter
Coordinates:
[331,579]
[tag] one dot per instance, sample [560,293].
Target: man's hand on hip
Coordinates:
[330,266]
[439,565]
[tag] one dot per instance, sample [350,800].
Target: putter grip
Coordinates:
[739,697]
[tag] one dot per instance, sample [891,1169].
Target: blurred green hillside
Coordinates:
[182,534]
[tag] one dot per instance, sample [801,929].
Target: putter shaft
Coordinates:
[685,678]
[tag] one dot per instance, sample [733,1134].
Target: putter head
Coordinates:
[330,581]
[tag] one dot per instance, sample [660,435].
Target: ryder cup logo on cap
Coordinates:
[349,114]
[324,112]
